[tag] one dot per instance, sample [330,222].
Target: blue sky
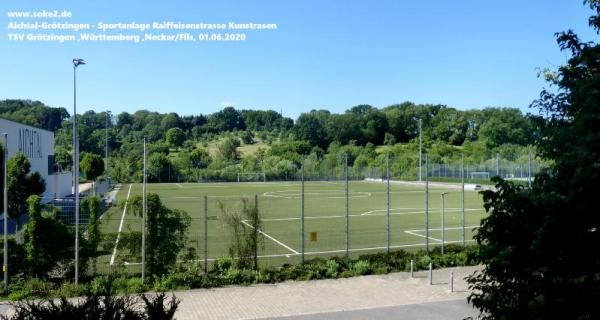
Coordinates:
[324,54]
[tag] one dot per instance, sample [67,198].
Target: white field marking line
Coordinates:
[290,194]
[179,185]
[268,236]
[322,252]
[438,229]
[414,232]
[422,236]
[114,254]
[354,215]
[422,211]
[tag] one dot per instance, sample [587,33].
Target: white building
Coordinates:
[38,146]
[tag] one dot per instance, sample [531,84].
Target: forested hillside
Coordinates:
[209,147]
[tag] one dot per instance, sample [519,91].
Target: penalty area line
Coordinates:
[275,240]
[114,254]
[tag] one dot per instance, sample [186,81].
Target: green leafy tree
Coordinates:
[228,149]
[247,137]
[48,243]
[312,127]
[166,233]
[244,226]
[158,167]
[175,137]
[21,185]
[91,206]
[534,243]
[92,166]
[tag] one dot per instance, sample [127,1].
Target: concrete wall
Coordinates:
[38,146]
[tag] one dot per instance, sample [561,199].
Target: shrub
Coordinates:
[362,267]
[222,264]
[333,268]
[30,288]
[97,306]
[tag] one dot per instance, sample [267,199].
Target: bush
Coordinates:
[362,267]
[30,288]
[333,268]
[97,306]
[222,264]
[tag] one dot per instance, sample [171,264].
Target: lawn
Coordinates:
[325,216]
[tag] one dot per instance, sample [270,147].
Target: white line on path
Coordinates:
[114,254]
[268,236]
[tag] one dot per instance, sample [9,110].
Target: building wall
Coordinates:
[38,146]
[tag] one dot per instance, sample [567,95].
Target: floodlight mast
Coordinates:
[76,63]
[5,209]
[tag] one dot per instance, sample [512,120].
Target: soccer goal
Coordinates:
[480,175]
[251,177]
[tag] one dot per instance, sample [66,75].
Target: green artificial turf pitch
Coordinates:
[279,205]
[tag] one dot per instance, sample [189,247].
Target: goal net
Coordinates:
[251,177]
[480,175]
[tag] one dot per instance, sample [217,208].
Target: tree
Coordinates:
[228,149]
[534,240]
[166,233]
[21,185]
[175,137]
[91,206]
[312,128]
[48,242]
[244,227]
[158,167]
[227,119]
[92,166]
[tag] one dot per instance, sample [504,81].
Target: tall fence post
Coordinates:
[443,229]
[529,170]
[347,213]
[426,203]
[302,214]
[462,199]
[205,234]
[451,281]
[388,202]
[497,164]
[144,216]
[255,228]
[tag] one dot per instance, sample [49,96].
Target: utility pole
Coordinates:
[76,63]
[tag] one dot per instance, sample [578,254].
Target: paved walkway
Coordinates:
[393,296]
[379,297]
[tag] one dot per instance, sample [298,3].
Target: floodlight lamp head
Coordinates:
[77,62]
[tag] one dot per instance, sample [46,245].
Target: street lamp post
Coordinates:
[5,209]
[76,63]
